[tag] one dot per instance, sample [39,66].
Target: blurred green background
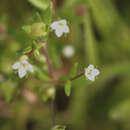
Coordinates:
[100,35]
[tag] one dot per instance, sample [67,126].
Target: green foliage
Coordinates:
[40,4]
[99,32]
[24,51]
[73,70]
[47,15]
[67,88]
[59,127]
[40,74]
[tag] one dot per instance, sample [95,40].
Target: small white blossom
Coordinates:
[23,67]
[68,51]
[60,27]
[91,72]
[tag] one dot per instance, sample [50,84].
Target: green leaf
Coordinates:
[25,51]
[37,17]
[47,14]
[59,127]
[34,45]
[73,70]
[40,4]
[68,88]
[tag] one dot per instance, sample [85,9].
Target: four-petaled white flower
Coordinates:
[68,51]
[60,27]
[91,72]
[23,67]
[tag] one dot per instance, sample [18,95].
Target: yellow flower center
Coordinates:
[90,72]
[61,24]
[24,65]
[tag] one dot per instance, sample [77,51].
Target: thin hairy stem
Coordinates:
[52,77]
[77,76]
[48,62]
[63,81]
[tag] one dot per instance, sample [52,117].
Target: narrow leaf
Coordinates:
[47,14]
[40,4]
[73,70]
[68,88]
[25,51]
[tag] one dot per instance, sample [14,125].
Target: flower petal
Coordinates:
[24,62]
[63,21]
[90,67]
[96,72]
[22,72]
[16,66]
[86,74]
[30,68]
[58,32]
[92,78]
[89,76]
[66,29]
[54,25]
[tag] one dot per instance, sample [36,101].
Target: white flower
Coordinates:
[68,51]
[60,27]
[91,72]
[23,67]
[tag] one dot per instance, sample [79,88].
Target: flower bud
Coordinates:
[36,53]
[41,58]
[38,30]
[24,57]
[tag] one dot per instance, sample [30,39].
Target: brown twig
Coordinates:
[71,79]
[77,76]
